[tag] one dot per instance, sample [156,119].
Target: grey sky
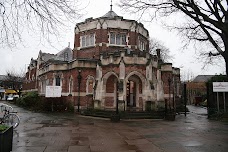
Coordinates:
[19,58]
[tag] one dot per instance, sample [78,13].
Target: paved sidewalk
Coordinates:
[40,132]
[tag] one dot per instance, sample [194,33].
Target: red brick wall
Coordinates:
[132,38]
[165,76]
[109,101]
[140,68]
[84,73]
[101,36]
[110,84]
[110,68]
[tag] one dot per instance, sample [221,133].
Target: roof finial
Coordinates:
[111,6]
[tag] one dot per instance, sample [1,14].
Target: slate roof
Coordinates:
[61,56]
[46,56]
[202,78]
[110,14]
[64,55]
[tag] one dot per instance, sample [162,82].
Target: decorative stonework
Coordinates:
[115,66]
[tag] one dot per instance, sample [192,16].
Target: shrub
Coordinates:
[58,104]
[29,100]
[3,127]
[33,101]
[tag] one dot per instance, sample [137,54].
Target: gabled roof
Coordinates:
[46,56]
[202,78]
[64,55]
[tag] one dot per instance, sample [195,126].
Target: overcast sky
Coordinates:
[19,58]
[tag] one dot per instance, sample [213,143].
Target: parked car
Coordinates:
[11,97]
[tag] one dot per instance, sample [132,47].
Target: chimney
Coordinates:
[158,53]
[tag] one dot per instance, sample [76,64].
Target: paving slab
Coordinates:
[47,132]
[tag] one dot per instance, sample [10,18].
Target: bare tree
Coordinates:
[44,16]
[164,51]
[207,21]
[14,80]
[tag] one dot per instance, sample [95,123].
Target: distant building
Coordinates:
[110,63]
[197,89]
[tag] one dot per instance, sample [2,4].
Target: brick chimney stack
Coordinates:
[158,53]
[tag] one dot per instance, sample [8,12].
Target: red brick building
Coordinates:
[110,62]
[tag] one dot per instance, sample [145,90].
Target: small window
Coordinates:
[87,40]
[112,38]
[142,45]
[92,39]
[83,41]
[118,38]
[57,81]
[65,56]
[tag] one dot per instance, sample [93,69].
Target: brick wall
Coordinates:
[165,76]
[110,85]
[109,101]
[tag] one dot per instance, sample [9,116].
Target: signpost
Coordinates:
[53,91]
[220,87]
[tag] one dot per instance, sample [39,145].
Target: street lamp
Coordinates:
[79,77]
[117,96]
[169,83]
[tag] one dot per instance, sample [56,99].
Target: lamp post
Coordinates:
[117,96]
[169,83]
[79,77]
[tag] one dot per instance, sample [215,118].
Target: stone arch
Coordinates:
[142,78]
[134,90]
[107,75]
[110,80]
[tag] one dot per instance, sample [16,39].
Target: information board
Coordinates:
[220,86]
[53,91]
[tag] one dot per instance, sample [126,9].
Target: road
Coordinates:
[48,132]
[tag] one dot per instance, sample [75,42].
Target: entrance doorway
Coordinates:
[131,94]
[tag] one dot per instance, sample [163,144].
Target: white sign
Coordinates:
[220,86]
[53,91]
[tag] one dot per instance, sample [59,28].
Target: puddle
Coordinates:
[192,144]
[190,128]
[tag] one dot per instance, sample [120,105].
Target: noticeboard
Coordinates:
[220,86]
[53,91]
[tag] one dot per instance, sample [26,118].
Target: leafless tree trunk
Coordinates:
[207,20]
[45,17]
[14,80]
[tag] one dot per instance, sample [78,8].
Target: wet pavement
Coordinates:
[47,132]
